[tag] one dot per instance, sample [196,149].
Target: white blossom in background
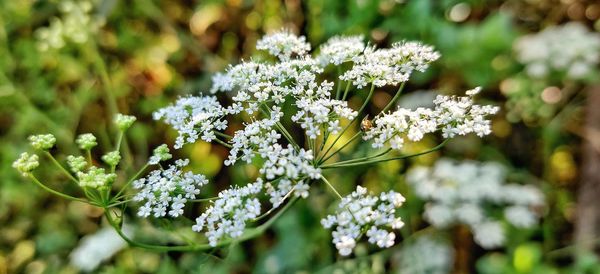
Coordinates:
[451,115]
[341,49]
[361,213]
[98,247]
[283,45]
[467,193]
[166,191]
[570,49]
[425,254]
[76,24]
[227,216]
[193,118]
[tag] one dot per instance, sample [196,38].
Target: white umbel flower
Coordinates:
[227,216]
[359,212]
[283,44]
[165,192]
[193,118]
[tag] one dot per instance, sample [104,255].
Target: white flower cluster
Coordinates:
[571,49]
[227,216]
[194,117]
[322,113]
[466,192]
[341,49]
[389,66]
[167,189]
[75,25]
[426,255]
[360,213]
[452,115]
[283,44]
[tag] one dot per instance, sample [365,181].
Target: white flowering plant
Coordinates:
[475,195]
[294,150]
[556,62]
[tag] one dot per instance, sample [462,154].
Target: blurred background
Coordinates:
[57,59]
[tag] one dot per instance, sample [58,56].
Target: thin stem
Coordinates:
[57,164]
[364,105]
[349,163]
[88,152]
[117,196]
[394,99]
[109,98]
[249,234]
[203,200]
[262,216]
[324,159]
[68,197]
[346,90]
[331,186]
[339,84]
[366,157]
[223,143]
[224,135]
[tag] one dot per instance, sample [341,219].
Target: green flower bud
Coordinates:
[95,178]
[42,141]
[161,153]
[76,163]
[86,141]
[123,122]
[26,163]
[112,158]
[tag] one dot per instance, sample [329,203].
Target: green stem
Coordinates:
[366,157]
[350,163]
[249,234]
[331,187]
[100,65]
[88,152]
[57,164]
[339,84]
[117,196]
[324,159]
[223,143]
[394,99]
[346,90]
[68,197]
[364,105]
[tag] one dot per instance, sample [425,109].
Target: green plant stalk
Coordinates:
[249,234]
[353,120]
[324,159]
[57,164]
[350,164]
[331,187]
[58,193]
[394,99]
[117,196]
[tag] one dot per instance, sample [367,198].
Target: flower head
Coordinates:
[76,163]
[283,44]
[166,191]
[95,178]
[112,158]
[123,122]
[86,141]
[26,163]
[360,212]
[160,153]
[42,141]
